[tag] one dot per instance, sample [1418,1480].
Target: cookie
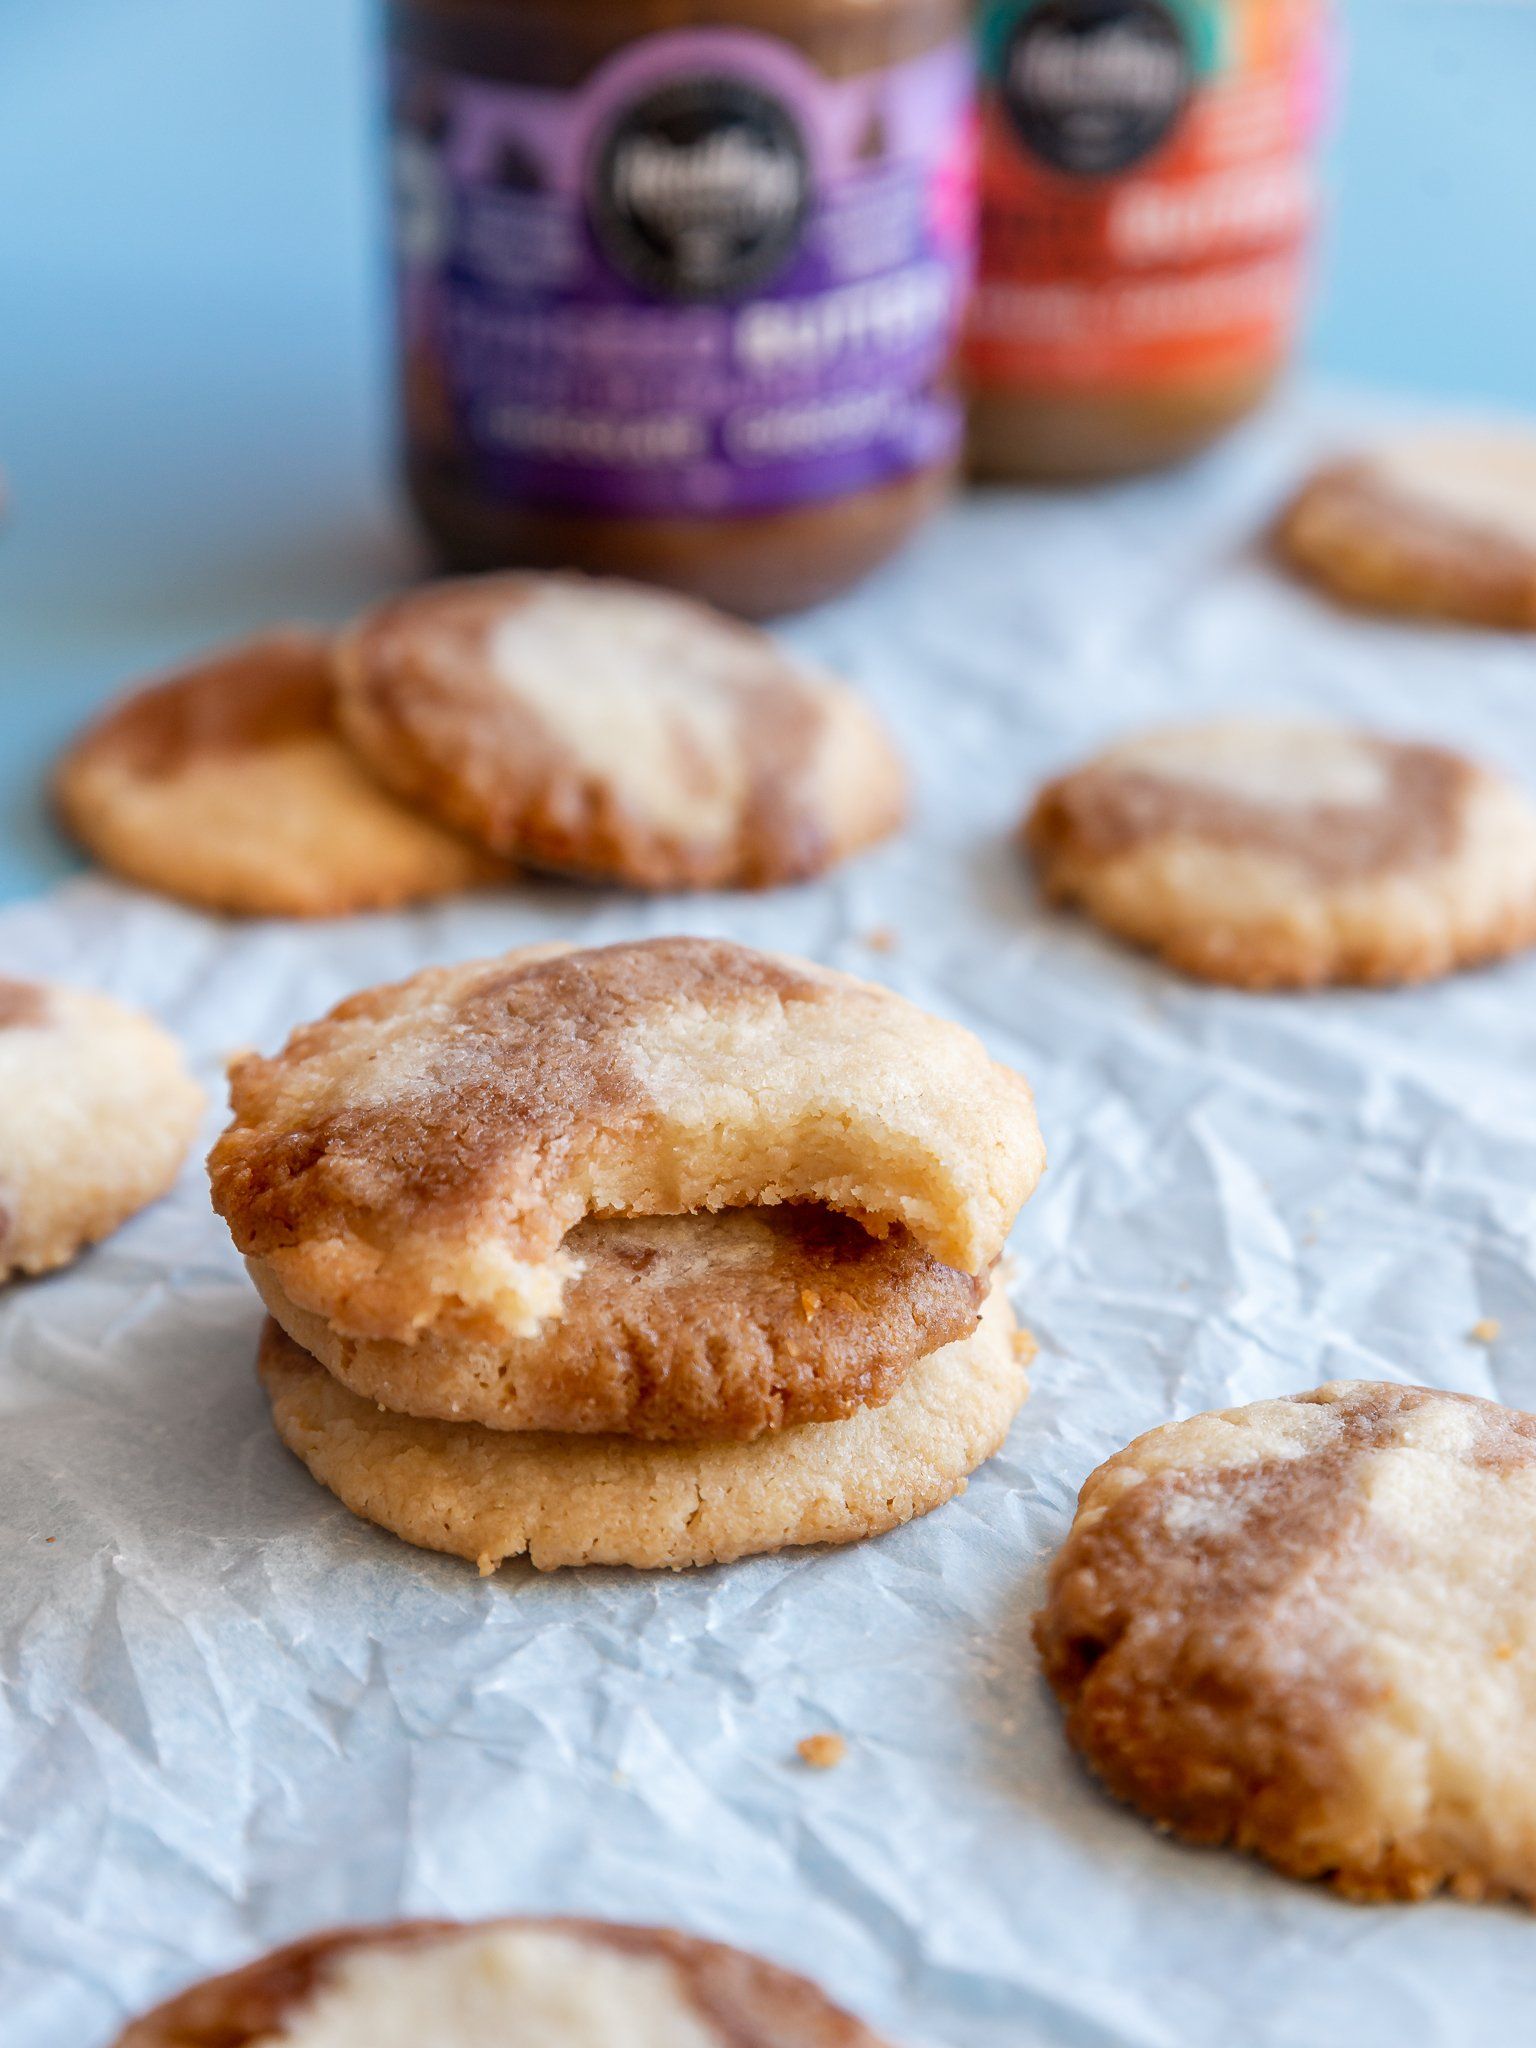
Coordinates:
[488,1495]
[681,1328]
[415,1160]
[616,733]
[546,1983]
[226,786]
[97,1112]
[1438,526]
[1270,855]
[1305,1628]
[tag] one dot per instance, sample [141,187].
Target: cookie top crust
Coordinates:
[1276,855]
[681,1328]
[97,1111]
[570,1501]
[256,694]
[564,1983]
[226,785]
[416,1158]
[616,733]
[1437,525]
[1303,1628]
[1480,483]
[1337,804]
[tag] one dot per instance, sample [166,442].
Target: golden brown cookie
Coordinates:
[681,1328]
[97,1112]
[616,733]
[415,1160]
[1269,855]
[1438,526]
[226,786]
[554,1983]
[1305,1628]
[488,1495]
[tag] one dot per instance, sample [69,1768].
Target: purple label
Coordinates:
[710,280]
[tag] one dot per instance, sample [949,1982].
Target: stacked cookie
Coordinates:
[597,729]
[658,1254]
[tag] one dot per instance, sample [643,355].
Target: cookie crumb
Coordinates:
[1488,1331]
[810,1302]
[822,1752]
[883,939]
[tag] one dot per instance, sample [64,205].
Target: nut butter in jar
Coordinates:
[681,281]
[1148,197]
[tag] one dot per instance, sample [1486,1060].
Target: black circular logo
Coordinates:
[1094,86]
[701,189]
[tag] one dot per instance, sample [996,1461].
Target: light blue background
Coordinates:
[193,398]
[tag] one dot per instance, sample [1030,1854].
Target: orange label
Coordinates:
[1147,189]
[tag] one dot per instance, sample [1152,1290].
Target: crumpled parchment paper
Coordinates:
[230,1713]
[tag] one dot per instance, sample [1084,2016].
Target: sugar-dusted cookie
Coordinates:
[97,1112]
[415,1159]
[617,733]
[1439,525]
[572,1500]
[546,1983]
[1270,855]
[1306,1628]
[226,786]
[682,1328]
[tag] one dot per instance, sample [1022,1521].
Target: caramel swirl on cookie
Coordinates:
[1435,526]
[225,785]
[417,1159]
[562,1983]
[616,733]
[1275,855]
[1303,1628]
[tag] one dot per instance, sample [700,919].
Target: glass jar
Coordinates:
[681,281]
[1148,198]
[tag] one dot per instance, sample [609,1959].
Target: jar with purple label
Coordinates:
[681,281]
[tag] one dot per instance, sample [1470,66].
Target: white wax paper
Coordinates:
[230,1713]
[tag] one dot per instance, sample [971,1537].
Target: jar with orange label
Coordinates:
[1148,199]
